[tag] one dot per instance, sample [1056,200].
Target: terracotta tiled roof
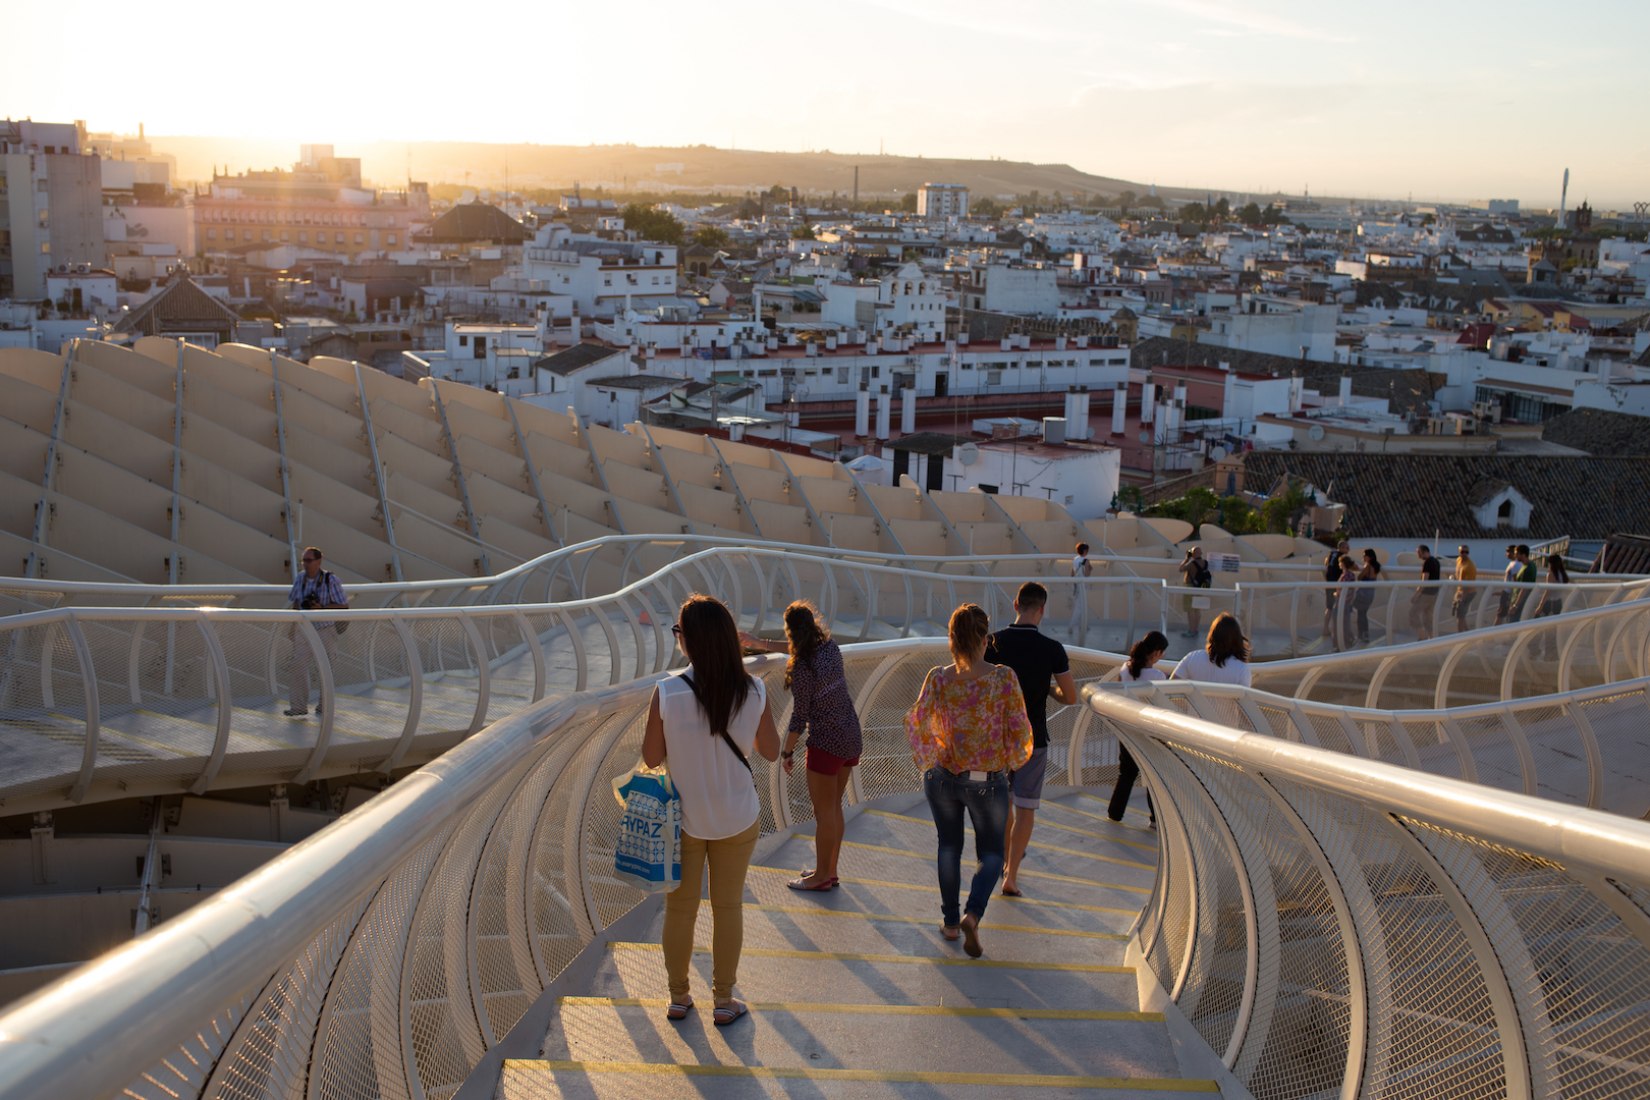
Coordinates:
[474,222]
[181,307]
[1599,432]
[1583,496]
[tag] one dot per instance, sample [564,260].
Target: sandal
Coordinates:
[728,1013]
[951,932]
[971,936]
[821,885]
[1013,892]
[678,1010]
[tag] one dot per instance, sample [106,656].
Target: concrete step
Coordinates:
[546,1080]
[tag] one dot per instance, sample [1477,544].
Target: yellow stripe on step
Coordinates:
[786,1073]
[917,960]
[965,1011]
[928,888]
[855,914]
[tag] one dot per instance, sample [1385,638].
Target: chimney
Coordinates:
[862,410]
[908,410]
[1120,408]
[1229,397]
[882,413]
[1346,389]
[1148,402]
[1084,430]
[1297,393]
[575,327]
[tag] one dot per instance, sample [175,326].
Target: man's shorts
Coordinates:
[1026,784]
[828,763]
[1329,599]
[1422,607]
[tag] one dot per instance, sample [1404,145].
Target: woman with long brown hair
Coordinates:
[822,706]
[968,730]
[705,722]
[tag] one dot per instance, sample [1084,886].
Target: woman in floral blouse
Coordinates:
[968,730]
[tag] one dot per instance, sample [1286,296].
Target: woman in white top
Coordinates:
[1224,658]
[705,722]
[1140,669]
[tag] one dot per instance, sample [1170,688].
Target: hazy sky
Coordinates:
[1443,99]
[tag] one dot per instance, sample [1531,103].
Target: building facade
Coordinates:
[51,197]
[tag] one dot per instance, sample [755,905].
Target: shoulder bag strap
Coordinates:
[687,678]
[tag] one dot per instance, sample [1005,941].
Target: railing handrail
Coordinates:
[588,546]
[1606,843]
[231,942]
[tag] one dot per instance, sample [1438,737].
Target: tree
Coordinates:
[651,224]
[985,208]
[710,236]
[803,232]
[1249,214]
[908,202]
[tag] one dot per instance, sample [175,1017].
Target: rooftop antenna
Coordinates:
[1563,198]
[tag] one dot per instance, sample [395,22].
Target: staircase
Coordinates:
[855,993]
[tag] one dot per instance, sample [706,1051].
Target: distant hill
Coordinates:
[696,168]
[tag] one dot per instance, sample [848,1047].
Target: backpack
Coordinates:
[1202,577]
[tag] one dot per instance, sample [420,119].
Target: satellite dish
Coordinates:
[1217,453]
[1315,433]
[968,454]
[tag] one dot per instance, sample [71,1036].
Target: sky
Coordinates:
[1442,100]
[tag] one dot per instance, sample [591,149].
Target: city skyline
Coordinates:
[1453,103]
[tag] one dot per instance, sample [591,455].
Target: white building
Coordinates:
[601,276]
[1024,290]
[491,356]
[1276,326]
[51,204]
[1080,477]
[939,201]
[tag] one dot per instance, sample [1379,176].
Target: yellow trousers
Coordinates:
[729,858]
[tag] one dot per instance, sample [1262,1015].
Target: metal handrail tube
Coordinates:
[104,1019]
[1487,890]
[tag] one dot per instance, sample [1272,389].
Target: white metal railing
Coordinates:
[1335,926]
[1329,925]
[1543,656]
[608,563]
[120,702]
[1583,747]
[384,955]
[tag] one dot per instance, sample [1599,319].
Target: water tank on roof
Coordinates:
[1054,429]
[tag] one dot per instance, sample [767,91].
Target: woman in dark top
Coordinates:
[1552,603]
[1369,573]
[820,704]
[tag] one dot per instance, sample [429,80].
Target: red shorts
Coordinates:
[828,763]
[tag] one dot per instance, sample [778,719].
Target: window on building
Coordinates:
[479,347]
[246,234]
[211,234]
[392,238]
[360,238]
[303,236]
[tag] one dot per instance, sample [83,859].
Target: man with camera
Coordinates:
[314,590]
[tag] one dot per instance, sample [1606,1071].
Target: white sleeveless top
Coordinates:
[718,795]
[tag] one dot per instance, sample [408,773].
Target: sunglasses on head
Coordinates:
[676,629]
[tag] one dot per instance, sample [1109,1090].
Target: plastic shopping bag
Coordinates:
[648,853]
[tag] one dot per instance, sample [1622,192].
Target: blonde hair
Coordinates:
[968,630]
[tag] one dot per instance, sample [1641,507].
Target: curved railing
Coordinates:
[1329,925]
[121,702]
[100,703]
[384,955]
[612,562]
[1584,747]
[1336,926]
[1543,656]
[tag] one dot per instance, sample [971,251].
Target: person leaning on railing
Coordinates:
[1461,603]
[315,589]
[705,722]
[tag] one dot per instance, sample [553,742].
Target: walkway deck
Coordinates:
[854,992]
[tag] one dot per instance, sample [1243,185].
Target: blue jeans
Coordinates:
[986,803]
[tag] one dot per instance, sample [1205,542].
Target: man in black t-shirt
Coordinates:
[1042,668]
[1424,604]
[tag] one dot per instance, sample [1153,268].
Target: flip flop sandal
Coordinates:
[727,1014]
[678,1010]
[1012,892]
[802,884]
